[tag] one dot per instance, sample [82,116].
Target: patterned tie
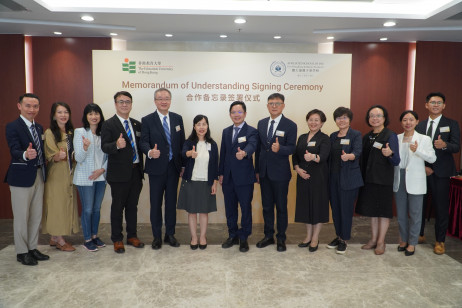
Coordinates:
[39,149]
[70,149]
[129,133]
[270,132]
[236,132]
[430,130]
[167,134]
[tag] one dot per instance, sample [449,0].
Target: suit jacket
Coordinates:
[212,170]
[444,166]
[153,133]
[241,172]
[22,173]
[120,161]
[416,179]
[350,171]
[276,166]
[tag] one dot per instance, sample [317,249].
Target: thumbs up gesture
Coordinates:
[344,156]
[86,143]
[439,143]
[154,153]
[275,146]
[386,151]
[240,154]
[308,156]
[121,143]
[31,153]
[413,146]
[193,152]
[62,154]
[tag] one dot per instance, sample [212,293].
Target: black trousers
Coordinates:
[274,192]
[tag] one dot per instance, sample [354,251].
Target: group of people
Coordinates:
[48,167]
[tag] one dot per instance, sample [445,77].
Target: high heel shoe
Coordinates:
[202,247]
[304,245]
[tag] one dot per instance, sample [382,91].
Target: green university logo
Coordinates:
[129,66]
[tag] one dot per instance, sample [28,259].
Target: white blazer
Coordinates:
[416,179]
[85,159]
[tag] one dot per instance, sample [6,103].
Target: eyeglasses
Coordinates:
[378,116]
[163,99]
[236,112]
[439,103]
[344,118]
[275,104]
[124,102]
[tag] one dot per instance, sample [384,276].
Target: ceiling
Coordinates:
[297,22]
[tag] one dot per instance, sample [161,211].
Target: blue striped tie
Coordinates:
[167,134]
[129,133]
[39,149]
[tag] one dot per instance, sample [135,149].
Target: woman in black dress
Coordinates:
[380,155]
[310,162]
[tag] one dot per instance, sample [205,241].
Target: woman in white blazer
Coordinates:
[410,181]
[90,171]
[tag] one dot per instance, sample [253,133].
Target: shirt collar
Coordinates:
[28,123]
[277,120]
[161,116]
[240,126]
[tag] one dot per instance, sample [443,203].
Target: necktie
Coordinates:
[69,151]
[39,149]
[167,134]
[129,134]
[236,132]
[430,130]
[270,132]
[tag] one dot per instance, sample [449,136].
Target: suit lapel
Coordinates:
[241,133]
[160,126]
[119,126]
[27,130]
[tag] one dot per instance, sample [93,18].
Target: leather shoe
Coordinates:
[156,243]
[37,255]
[370,245]
[26,259]
[202,247]
[439,248]
[313,249]
[135,242]
[409,253]
[304,245]
[194,247]
[402,248]
[281,246]
[171,240]
[243,246]
[119,247]
[422,239]
[265,242]
[230,242]
[380,249]
[65,247]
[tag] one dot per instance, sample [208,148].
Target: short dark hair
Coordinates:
[120,93]
[161,90]
[408,111]
[439,94]
[277,95]
[385,115]
[340,111]
[238,103]
[193,137]
[89,109]
[31,95]
[319,113]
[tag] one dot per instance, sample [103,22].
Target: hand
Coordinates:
[344,156]
[193,152]
[428,171]
[240,154]
[96,174]
[220,180]
[302,173]
[86,143]
[214,188]
[154,153]
[413,147]
[439,143]
[257,175]
[61,155]
[181,172]
[386,151]
[121,143]
[275,146]
[308,156]
[30,152]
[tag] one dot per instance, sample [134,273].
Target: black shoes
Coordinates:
[202,247]
[402,248]
[408,253]
[341,247]
[194,247]
[304,245]
[26,259]
[156,243]
[171,240]
[230,242]
[265,242]
[334,243]
[243,246]
[37,255]
[281,246]
[313,249]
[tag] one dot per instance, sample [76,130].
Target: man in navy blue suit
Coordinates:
[26,177]
[237,175]
[162,138]
[278,136]
[445,134]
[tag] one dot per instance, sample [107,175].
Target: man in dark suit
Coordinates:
[278,136]
[237,175]
[26,177]
[162,140]
[445,134]
[120,139]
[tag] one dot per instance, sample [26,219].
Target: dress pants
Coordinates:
[158,184]
[125,196]
[242,194]
[274,192]
[439,189]
[27,204]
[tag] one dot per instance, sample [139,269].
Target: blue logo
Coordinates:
[278,68]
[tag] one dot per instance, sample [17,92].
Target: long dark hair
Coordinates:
[89,109]
[193,137]
[54,125]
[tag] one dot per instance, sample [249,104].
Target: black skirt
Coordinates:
[375,200]
[196,197]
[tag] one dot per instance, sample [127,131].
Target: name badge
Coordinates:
[311,143]
[445,129]
[138,134]
[178,128]
[241,139]
[377,145]
[43,137]
[280,133]
[209,146]
[345,141]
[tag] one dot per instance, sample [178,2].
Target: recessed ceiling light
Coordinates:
[57,33]
[383,38]
[330,37]
[87,18]
[113,34]
[389,24]
[168,35]
[223,36]
[277,37]
[240,21]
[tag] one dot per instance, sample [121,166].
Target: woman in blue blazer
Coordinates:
[345,176]
[90,173]
[199,185]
